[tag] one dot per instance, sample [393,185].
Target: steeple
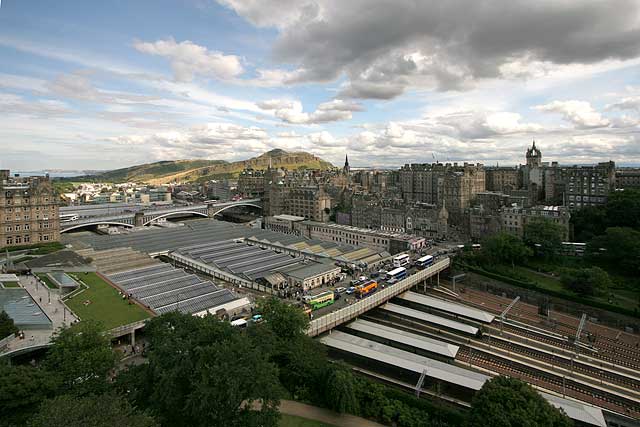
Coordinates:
[346,169]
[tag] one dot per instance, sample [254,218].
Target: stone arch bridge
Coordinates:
[147,217]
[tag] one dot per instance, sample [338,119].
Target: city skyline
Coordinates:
[117,84]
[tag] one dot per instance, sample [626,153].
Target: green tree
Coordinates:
[81,355]
[7,327]
[623,209]
[586,281]
[545,235]
[509,402]
[619,246]
[96,411]
[340,391]
[505,248]
[588,222]
[285,320]
[204,372]
[22,388]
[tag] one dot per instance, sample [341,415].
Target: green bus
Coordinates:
[321,300]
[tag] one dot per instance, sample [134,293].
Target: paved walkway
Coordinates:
[49,302]
[323,415]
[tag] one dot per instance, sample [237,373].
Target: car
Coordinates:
[336,296]
[374,274]
[354,282]
[341,289]
[351,290]
[392,281]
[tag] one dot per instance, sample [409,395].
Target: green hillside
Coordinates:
[201,170]
[149,171]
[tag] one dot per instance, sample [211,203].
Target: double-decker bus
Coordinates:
[425,261]
[396,275]
[367,288]
[401,260]
[321,300]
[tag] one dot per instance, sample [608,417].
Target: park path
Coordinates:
[290,407]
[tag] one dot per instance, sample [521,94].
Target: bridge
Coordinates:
[148,217]
[338,317]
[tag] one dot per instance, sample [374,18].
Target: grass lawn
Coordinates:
[105,304]
[542,280]
[11,284]
[293,421]
[47,280]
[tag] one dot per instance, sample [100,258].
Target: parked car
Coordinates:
[392,281]
[341,289]
[336,296]
[351,290]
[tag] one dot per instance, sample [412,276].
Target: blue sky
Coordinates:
[102,85]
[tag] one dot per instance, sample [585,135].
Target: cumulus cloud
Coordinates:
[189,59]
[385,46]
[626,103]
[290,111]
[580,113]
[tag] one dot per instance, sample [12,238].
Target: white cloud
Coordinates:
[580,113]
[290,111]
[189,59]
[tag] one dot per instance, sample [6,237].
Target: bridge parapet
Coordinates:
[331,320]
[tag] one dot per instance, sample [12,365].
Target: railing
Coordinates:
[125,329]
[331,320]
[4,342]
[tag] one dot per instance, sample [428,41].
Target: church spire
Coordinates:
[346,161]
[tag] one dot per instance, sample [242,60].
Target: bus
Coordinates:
[401,260]
[367,288]
[396,275]
[321,300]
[68,217]
[425,261]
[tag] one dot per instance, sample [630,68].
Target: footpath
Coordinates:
[290,407]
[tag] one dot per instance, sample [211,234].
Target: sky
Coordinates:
[108,84]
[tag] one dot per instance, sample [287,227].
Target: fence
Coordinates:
[331,320]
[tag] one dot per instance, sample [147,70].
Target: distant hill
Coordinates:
[201,170]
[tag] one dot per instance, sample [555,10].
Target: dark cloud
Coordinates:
[383,46]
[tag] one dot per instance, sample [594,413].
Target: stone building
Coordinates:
[28,210]
[450,185]
[503,179]
[513,220]
[251,183]
[628,178]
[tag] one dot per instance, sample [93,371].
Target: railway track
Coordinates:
[540,376]
[618,352]
[564,385]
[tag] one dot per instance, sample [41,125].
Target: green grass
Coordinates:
[293,421]
[106,305]
[11,284]
[47,281]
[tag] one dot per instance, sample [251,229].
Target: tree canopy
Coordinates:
[586,281]
[95,411]
[619,246]
[82,357]
[505,248]
[203,372]
[545,235]
[509,402]
[7,327]
[621,210]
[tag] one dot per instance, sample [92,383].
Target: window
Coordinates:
[27,238]
[26,227]
[18,239]
[9,228]
[9,240]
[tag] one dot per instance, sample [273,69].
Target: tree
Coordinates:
[619,246]
[204,372]
[81,355]
[285,320]
[509,402]
[586,281]
[505,248]
[96,411]
[7,327]
[340,391]
[545,235]
[22,388]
